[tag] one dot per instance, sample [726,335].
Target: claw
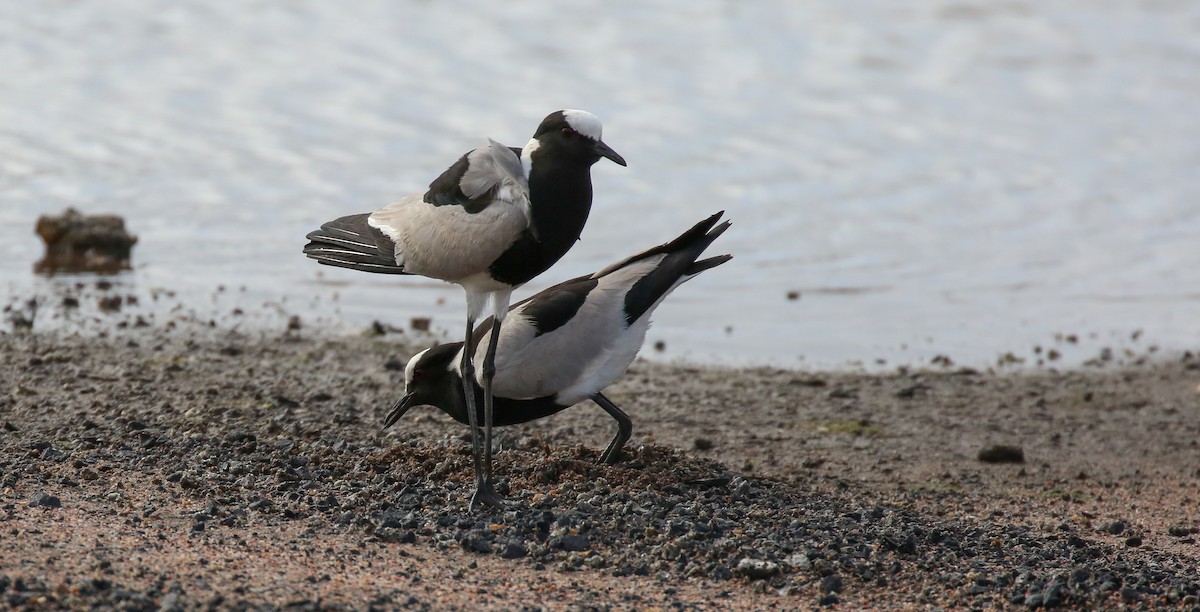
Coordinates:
[485,495]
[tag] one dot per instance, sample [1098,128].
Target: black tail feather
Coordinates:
[679,261]
[351,242]
[705,264]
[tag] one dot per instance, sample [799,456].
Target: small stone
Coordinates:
[831,584]
[1116,527]
[1133,541]
[575,543]
[514,550]
[45,500]
[169,603]
[476,542]
[828,600]
[53,454]
[702,444]
[798,561]
[400,536]
[756,569]
[1002,453]
[420,323]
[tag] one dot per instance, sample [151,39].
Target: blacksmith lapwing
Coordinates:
[567,343]
[492,221]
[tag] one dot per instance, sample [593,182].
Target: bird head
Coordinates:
[431,380]
[572,134]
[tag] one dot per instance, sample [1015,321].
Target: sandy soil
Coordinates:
[198,467]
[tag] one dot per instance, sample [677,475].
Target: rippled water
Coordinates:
[943,177]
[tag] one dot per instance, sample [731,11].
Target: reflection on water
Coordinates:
[948,177]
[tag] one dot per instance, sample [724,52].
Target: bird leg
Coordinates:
[624,429]
[489,372]
[467,370]
[499,310]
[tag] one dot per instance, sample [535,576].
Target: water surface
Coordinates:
[945,177]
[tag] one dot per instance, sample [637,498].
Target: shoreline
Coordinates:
[218,468]
[90,304]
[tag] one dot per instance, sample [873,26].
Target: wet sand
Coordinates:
[196,466]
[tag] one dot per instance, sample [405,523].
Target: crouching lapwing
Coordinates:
[491,222]
[567,343]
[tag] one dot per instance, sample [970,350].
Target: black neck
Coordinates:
[560,194]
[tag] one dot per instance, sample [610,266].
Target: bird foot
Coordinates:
[485,495]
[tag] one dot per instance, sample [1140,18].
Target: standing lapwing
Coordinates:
[567,343]
[491,222]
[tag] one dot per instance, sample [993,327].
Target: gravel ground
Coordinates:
[147,468]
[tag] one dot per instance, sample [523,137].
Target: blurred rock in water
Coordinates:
[84,243]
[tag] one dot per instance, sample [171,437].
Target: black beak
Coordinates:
[402,406]
[604,150]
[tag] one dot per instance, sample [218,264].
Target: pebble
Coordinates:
[756,569]
[45,500]
[514,550]
[798,561]
[662,512]
[575,543]
[1001,453]
[831,584]
[477,542]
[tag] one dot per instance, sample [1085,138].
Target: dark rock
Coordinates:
[399,536]
[514,550]
[1053,596]
[78,243]
[45,500]
[912,391]
[476,542]
[1116,527]
[702,444]
[109,303]
[1133,541]
[1001,453]
[831,584]
[53,454]
[828,600]
[575,543]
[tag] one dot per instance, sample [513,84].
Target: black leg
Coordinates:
[489,372]
[467,368]
[485,492]
[624,429]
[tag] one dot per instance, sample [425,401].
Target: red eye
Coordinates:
[569,133]
[420,374]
